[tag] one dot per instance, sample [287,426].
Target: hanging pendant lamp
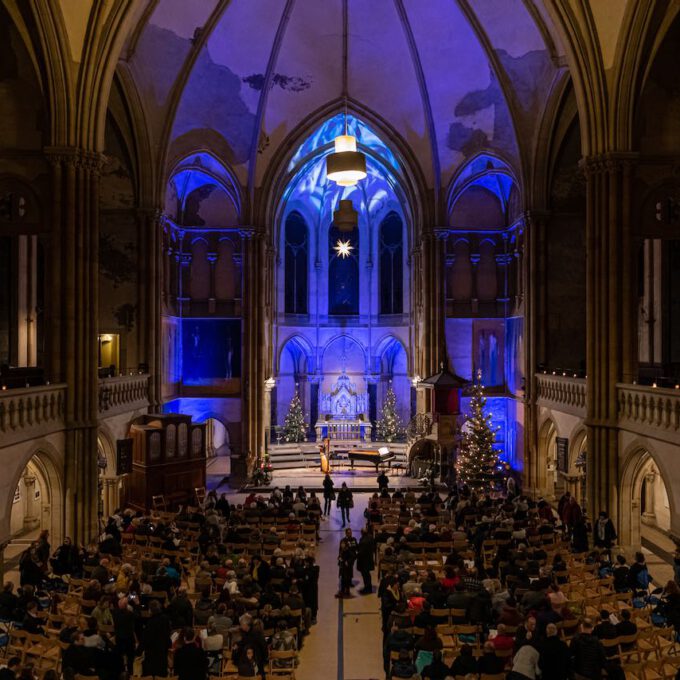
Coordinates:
[345,218]
[346,166]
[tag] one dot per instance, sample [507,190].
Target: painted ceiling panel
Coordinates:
[521,51]
[382,74]
[307,73]
[467,105]
[218,96]
[162,49]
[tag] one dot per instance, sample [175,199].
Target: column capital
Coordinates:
[248,232]
[441,233]
[610,161]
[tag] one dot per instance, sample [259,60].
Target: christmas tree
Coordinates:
[477,459]
[389,427]
[294,426]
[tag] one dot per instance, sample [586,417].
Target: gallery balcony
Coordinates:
[562,392]
[123,393]
[31,412]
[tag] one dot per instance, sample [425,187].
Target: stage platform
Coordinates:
[359,480]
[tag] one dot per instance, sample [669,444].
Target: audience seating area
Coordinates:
[514,573]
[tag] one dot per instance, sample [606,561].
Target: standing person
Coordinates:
[383,481]
[587,654]
[345,502]
[572,514]
[328,494]
[345,568]
[365,560]
[156,641]
[554,656]
[604,533]
[190,660]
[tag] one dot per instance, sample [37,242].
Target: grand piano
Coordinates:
[377,457]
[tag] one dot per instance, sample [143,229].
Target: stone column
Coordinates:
[253,360]
[73,310]
[153,292]
[434,301]
[110,494]
[31,518]
[212,259]
[610,317]
[649,516]
[533,274]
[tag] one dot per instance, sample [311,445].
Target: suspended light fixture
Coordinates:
[345,218]
[346,166]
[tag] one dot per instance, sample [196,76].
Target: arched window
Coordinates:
[391,265]
[343,274]
[296,264]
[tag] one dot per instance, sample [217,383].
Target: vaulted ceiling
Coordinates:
[450,78]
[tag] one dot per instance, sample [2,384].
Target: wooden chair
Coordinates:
[284,658]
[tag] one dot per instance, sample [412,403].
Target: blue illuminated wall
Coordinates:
[211,350]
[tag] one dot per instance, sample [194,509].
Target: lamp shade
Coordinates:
[345,218]
[346,166]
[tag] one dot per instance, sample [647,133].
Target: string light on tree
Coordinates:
[477,458]
[294,426]
[389,427]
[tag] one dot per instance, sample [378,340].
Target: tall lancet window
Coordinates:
[296,264]
[391,265]
[343,273]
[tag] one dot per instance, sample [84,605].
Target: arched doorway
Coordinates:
[550,484]
[218,449]
[645,511]
[110,485]
[37,504]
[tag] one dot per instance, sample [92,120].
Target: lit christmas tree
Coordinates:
[294,426]
[477,459]
[389,427]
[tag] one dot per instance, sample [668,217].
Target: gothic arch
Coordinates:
[546,456]
[636,461]
[45,457]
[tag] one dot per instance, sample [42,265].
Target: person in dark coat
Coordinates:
[604,533]
[77,659]
[66,559]
[250,639]
[30,571]
[587,653]
[365,560]
[124,623]
[9,602]
[345,502]
[346,557]
[309,586]
[180,610]
[156,641]
[554,660]
[328,494]
[383,481]
[190,660]
[10,671]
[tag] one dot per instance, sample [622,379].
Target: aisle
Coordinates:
[346,643]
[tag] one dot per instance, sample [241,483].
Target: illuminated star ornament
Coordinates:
[343,248]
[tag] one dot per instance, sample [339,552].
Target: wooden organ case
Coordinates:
[168,459]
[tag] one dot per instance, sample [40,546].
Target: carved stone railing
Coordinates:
[650,411]
[123,394]
[562,393]
[30,412]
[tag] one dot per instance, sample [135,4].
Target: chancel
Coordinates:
[416,259]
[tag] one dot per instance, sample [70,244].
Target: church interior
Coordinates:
[245,243]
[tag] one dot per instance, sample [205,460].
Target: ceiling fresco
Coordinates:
[451,79]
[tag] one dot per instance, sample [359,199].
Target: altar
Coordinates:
[343,413]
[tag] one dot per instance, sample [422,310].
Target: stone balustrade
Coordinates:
[31,412]
[649,411]
[562,393]
[123,394]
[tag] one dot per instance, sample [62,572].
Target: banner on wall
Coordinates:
[123,456]
[562,454]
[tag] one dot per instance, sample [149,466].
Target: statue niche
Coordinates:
[342,412]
